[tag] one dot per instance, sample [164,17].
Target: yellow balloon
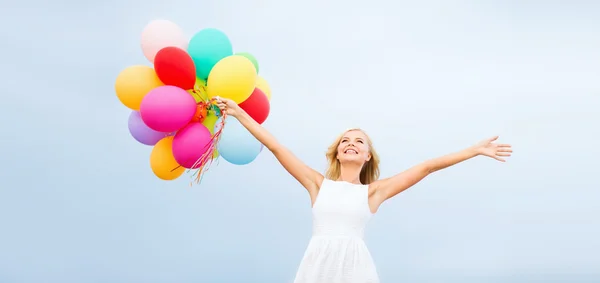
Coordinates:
[233,77]
[196,96]
[200,83]
[163,162]
[263,85]
[199,91]
[134,83]
[210,121]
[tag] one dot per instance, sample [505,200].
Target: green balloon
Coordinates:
[251,58]
[207,47]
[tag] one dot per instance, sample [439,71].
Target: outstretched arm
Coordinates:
[389,187]
[308,177]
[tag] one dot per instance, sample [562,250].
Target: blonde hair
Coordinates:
[370,170]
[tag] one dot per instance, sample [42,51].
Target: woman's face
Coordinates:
[354,148]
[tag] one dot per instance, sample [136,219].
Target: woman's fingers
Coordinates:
[222,106]
[221,103]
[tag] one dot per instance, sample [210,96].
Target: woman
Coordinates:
[347,196]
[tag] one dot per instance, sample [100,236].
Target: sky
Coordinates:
[79,203]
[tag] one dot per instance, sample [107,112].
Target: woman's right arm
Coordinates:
[308,177]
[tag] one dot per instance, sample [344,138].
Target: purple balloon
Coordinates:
[142,133]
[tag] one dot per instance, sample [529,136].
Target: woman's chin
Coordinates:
[352,161]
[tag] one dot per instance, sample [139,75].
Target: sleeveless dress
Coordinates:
[336,252]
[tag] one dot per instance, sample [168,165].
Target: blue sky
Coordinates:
[79,203]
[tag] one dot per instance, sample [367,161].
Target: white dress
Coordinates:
[336,252]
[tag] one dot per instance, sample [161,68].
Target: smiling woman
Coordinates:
[354,144]
[350,193]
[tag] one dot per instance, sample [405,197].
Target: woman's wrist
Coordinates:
[474,150]
[239,113]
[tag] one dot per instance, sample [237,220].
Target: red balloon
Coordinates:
[257,106]
[175,67]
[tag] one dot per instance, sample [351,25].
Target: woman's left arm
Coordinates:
[389,187]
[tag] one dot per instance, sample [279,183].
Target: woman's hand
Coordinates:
[228,106]
[488,148]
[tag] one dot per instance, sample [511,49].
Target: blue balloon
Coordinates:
[237,145]
[207,47]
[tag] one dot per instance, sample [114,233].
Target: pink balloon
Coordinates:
[159,34]
[167,108]
[190,143]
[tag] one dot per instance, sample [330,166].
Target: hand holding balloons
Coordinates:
[228,106]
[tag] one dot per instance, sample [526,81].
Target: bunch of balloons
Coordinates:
[171,101]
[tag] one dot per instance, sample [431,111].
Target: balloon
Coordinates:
[190,143]
[257,106]
[264,86]
[210,121]
[233,77]
[167,108]
[134,83]
[199,91]
[200,114]
[175,67]
[142,133]
[236,144]
[159,34]
[163,162]
[207,47]
[218,112]
[251,58]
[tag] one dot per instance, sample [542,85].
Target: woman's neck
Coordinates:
[350,174]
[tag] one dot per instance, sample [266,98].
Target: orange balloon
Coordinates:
[163,162]
[200,114]
[133,83]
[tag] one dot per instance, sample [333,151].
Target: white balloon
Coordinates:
[159,34]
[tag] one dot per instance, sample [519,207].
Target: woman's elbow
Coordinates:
[429,167]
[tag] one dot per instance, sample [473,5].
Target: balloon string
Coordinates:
[206,159]
[198,94]
[201,92]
